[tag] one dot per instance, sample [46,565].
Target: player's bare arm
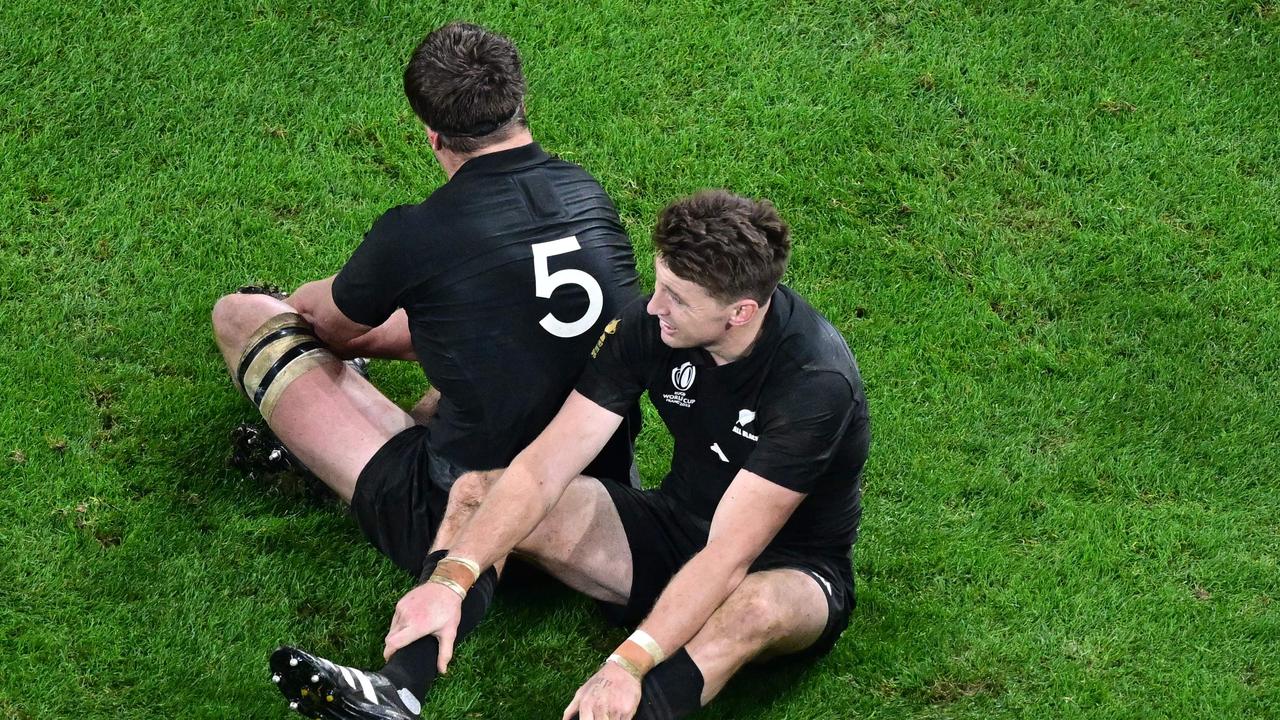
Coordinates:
[748,517]
[314,302]
[346,337]
[518,501]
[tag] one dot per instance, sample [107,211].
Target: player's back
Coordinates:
[508,273]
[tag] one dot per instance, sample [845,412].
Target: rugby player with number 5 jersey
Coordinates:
[498,284]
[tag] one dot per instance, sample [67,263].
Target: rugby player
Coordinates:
[743,553]
[498,284]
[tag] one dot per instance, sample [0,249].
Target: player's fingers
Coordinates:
[594,709]
[396,640]
[446,649]
[572,710]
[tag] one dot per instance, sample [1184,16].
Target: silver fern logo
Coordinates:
[682,377]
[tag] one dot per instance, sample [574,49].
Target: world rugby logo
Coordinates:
[682,377]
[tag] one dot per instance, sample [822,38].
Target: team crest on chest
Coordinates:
[745,418]
[682,378]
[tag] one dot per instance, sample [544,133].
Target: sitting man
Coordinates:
[743,553]
[498,284]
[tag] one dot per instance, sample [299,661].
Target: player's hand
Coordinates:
[429,609]
[611,694]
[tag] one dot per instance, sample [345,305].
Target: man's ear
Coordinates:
[433,137]
[743,311]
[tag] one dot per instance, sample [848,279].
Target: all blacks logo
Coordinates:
[682,377]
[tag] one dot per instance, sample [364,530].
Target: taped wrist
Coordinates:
[457,574]
[638,655]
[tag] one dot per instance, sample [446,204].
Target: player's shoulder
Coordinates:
[632,326]
[810,347]
[553,161]
[634,319]
[808,334]
[408,216]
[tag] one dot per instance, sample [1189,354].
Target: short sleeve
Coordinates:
[801,428]
[368,286]
[615,376]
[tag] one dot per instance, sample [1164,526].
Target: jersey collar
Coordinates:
[503,161]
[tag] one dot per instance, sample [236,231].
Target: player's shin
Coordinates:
[413,667]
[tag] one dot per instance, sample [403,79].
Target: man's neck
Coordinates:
[739,341]
[452,161]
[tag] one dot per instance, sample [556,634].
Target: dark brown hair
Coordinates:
[733,247]
[465,82]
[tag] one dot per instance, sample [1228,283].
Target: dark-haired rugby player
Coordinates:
[498,284]
[744,552]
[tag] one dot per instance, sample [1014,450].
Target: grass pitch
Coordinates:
[1049,231]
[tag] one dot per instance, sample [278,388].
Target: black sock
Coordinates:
[413,667]
[671,690]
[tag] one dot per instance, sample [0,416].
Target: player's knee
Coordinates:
[753,616]
[469,490]
[560,533]
[225,318]
[237,315]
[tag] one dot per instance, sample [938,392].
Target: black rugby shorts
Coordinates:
[400,497]
[662,537]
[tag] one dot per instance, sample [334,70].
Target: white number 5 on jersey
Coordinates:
[545,283]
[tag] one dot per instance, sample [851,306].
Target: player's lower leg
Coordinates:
[395,692]
[414,666]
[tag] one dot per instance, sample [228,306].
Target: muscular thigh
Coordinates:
[330,417]
[334,421]
[582,543]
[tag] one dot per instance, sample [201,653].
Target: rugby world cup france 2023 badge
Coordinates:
[682,378]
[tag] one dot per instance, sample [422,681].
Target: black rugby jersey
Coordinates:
[507,272]
[791,411]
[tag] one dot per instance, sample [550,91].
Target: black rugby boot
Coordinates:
[264,289]
[259,454]
[317,688]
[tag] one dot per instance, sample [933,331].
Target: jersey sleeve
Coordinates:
[368,287]
[615,376]
[801,428]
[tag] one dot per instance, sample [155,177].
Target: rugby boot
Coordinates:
[360,365]
[264,289]
[255,449]
[317,688]
[259,454]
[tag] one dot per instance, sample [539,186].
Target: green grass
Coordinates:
[1049,230]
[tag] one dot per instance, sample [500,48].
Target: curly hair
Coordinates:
[733,247]
[466,83]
